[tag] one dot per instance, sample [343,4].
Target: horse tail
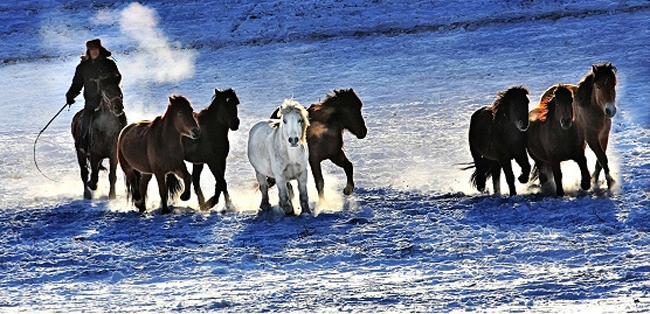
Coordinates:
[132,190]
[487,173]
[465,165]
[174,186]
[534,174]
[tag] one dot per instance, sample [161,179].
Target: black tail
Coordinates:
[534,174]
[465,165]
[487,173]
[174,186]
[132,191]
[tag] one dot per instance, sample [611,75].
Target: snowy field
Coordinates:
[415,237]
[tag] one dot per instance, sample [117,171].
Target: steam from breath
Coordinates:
[154,58]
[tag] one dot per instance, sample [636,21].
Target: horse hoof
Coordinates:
[585,185]
[523,178]
[348,190]
[185,196]
[92,185]
[165,211]
[87,194]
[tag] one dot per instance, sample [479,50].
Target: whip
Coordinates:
[39,135]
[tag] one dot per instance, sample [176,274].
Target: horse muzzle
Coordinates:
[362,134]
[610,110]
[293,141]
[234,126]
[566,124]
[194,133]
[522,126]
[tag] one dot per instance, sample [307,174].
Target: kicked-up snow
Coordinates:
[414,237]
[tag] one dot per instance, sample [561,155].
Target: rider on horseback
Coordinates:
[94,72]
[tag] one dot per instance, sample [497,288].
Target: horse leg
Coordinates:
[557,177]
[304,197]
[601,157]
[510,177]
[182,172]
[162,190]
[317,173]
[83,167]
[219,186]
[112,177]
[141,202]
[522,160]
[264,188]
[342,161]
[196,180]
[95,162]
[283,194]
[223,186]
[495,169]
[585,182]
[603,144]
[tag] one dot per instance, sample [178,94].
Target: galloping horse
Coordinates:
[553,138]
[154,147]
[328,120]
[213,145]
[497,134]
[106,123]
[277,149]
[594,102]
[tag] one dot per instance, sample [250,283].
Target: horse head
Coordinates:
[563,106]
[112,100]
[349,112]
[183,118]
[513,103]
[294,122]
[225,102]
[604,87]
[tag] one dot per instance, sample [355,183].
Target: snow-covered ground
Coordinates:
[414,236]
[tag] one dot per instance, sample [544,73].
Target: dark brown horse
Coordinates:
[594,102]
[213,146]
[553,138]
[329,119]
[154,147]
[105,126]
[497,134]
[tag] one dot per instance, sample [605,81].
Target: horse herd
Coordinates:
[279,148]
[568,118]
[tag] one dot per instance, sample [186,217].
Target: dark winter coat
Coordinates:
[91,75]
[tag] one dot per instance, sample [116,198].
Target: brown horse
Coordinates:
[105,126]
[594,102]
[553,138]
[329,119]
[213,146]
[154,147]
[497,134]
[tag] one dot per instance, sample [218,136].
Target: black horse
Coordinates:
[106,123]
[497,134]
[213,146]
[328,119]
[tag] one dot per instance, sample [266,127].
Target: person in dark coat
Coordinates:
[93,72]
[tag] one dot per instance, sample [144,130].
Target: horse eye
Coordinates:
[300,121]
[284,120]
[227,99]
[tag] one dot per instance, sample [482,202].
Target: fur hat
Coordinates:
[94,43]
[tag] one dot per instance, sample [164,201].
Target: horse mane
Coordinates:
[503,97]
[547,104]
[290,105]
[586,85]
[213,101]
[322,110]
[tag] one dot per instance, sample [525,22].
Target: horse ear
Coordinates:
[594,68]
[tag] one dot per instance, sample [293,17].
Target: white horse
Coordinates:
[277,149]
